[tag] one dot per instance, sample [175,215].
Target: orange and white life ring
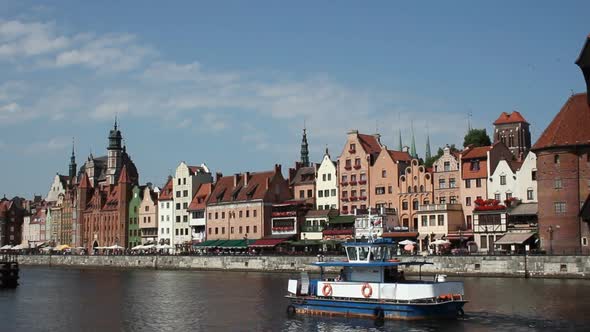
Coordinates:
[327,290]
[367,290]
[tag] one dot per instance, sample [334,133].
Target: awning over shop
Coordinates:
[400,235]
[304,243]
[422,236]
[208,243]
[460,235]
[438,236]
[227,244]
[266,243]
[514,238]
[342,220]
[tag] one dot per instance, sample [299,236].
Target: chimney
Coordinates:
[277,168]
[584,63]
[236,179]
[378,137]
[267,183]
[292,172]
[218,176]
[246,178]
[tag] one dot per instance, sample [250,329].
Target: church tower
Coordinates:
[304,150]
[72,170]
[114,155]
[513,130]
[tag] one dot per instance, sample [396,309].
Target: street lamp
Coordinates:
[551,230]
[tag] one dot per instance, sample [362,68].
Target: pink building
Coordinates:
[415,189]
[386,171]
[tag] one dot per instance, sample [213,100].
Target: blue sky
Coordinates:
[230,83]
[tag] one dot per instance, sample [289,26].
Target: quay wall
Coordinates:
[505,266]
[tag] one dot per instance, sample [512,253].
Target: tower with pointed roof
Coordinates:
[413,152]
[72,169]
[428,154]
[400,146]
[513,130]
[114,155]
[304,149]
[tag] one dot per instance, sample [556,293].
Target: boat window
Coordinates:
[351,252]
[363,253]
[378,253]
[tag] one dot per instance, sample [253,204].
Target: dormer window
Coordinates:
[556,159]
[474,165]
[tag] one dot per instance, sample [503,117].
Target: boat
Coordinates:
[371,284]
[8,271]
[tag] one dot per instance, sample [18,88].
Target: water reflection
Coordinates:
[146,300]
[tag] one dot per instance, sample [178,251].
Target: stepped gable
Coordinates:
[569,127]
[513,117]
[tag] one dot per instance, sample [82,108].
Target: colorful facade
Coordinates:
[327,183]
[134,233]
[148,216]
[386,171]
[415,189]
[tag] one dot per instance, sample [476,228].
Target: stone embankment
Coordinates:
[505,266]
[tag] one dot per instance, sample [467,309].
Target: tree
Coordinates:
[477,137]
[428,162]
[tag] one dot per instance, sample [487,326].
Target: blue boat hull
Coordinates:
[376,310]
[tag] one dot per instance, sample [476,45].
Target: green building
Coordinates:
[134,238]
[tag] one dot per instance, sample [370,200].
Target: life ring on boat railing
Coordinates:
[327,290]
[367,290]
[456,296]
[394,260]
[445,297]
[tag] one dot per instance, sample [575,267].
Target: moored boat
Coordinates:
[8,271]
[371,283]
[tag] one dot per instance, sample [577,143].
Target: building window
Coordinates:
[379,190]
[347,163]
[329,177]
[178,184]
[327,193]
[452,183]
[324,177]
[240,213]
[321,193]
[247,213]
[478,183]
[301,193]
[502,180]
[529,194]
[585,241]
[404,205]
[390,189]
[177,206]
[177,218]
[474,165]
[255,229]
[556,160]
[222,230]
[352,147]
[468,201]
[344,179]
[178,192]
[557,183]
[310,193]
[383,173]
[240,229]
[442,200]
[167,205]
[534,175]
[442,184]
[508,196]
[247,229]
[497,197]
[185,193]
[357,162]
[453,200]
[432,220]
[559,207]
[333,192]
[415,204]
[216,215]
[424,221]
[345,194]
[184,205]
[467,183]
[441,219]
[177,228]
[353,178]
[255,212]
[231,229]
[484,241]
[222,214]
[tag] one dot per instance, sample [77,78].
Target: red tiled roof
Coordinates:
[513,117]
[570,125]
[166,192]
[478,152]
[399,155]
[369,143]
[124,178]
[85,183]
[225,191]
[199,201]
[195,169]
[515,165]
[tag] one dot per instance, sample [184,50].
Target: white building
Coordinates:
[57,187]
[526,179]
[185,183]
[502,183]
[327,182]
[166,214]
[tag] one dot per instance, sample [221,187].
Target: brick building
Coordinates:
[513,130]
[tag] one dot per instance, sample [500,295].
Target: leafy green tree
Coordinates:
[477,137]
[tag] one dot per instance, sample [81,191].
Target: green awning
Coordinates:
[342,220]
[206,244]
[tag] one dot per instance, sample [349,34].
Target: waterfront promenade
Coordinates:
[520,266]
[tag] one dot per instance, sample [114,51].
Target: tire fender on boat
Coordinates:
[367,291]
[327,290]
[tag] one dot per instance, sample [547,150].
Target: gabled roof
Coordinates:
[513,117]
[515,165]
[477,152]
[199,201]
[399,155]
[570,125]
[254,190]
[304,175]
[196,169]
[369,143]
[85,183]
[166,192]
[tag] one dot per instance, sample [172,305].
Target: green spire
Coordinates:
[304,150]
[400,146]
[428,153]
[413,147]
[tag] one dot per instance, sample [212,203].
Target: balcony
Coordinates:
[362,198]
[353,198]
[348,167]
[352,151]
[284,214]
[362,181]
[312,228]
[357,166]
[344,199]
[353,183]
[339,232]
[283,229]
[439,207]
[344,184]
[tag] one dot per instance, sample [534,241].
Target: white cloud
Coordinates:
[12,90]
[19,38]
[193,72]
[10,108]
[48,146]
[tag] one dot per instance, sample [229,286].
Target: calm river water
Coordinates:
[52,299]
